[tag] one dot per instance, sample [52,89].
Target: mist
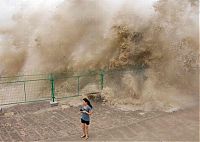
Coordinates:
[159,36]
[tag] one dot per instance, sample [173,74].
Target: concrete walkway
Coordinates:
[179,126]
[40,122]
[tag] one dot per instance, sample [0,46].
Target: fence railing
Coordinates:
[54,87]
[43,87]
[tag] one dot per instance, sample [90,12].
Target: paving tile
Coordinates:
[39,122]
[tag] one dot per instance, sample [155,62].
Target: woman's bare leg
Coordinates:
[83,128]
[86,131]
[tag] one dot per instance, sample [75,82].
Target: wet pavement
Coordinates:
[41,122]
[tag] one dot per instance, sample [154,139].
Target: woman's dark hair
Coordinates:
[88,102]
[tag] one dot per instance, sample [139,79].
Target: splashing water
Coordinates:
[159,36]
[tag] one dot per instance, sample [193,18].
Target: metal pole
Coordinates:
[102,79]
[52,88]
[53,102]
[25,91]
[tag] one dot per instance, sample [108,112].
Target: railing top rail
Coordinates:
[56,76]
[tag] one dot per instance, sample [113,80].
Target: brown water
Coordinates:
[164,41]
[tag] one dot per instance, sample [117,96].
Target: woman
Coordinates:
[86,111]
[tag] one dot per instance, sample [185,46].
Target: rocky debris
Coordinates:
[89,89]
[94,96]
[64,106]
[8,114]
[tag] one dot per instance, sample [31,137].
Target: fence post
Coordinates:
[78,87]
[53,102]
[24,91]
[102,79]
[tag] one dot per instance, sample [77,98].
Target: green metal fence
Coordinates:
[22,89]
[54,87]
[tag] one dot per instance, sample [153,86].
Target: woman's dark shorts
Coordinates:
[86,122]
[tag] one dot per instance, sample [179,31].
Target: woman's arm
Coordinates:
[89,113]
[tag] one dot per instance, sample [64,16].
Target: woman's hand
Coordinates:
[89,113]
[85,112]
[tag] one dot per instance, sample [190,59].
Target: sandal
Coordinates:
[86,137]
[83,136]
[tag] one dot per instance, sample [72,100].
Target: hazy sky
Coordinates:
[10,7]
